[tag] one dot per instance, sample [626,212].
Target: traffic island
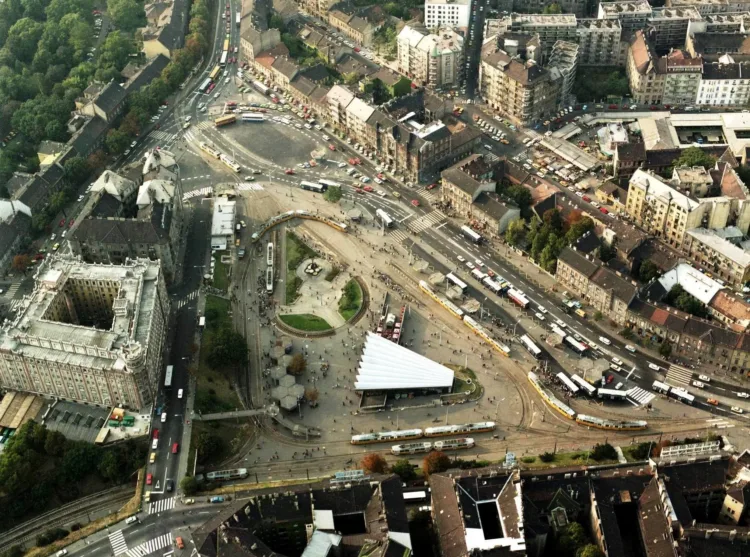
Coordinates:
[466,388]
[305,322]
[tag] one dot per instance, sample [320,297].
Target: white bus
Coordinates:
[329,183]
[583,384]
[479,275]
[410,496]
[612,394]
[558,331]
[492,285]
[532,348]
[469,234]
[223,61]
[519,298]
[384,218]
[456,281]
[205,85]
[682,395]
[660,387]
[168,377]
[253,117]
[577,347]
[567,383]
[312,186]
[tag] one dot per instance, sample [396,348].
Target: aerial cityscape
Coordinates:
[357,278]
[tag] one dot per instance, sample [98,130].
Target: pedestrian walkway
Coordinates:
[639,396]
[12,289]
[202,192]
[161,505]
[249,186]
[429,196]
[187,299]
[427,221]
[398,235]
[165,540]
[719,423]
[678,375]
[117,541]
[161,136]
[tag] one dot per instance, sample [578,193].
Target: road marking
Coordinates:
[165,540]
[117,541]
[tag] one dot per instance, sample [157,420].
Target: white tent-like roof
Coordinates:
[385,365]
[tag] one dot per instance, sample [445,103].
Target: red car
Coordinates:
[667,106]
[653,107]
[289,171]
[38,256]
[367,188]
[490,272]
[331,146]
[359,190]
[610,378]
[586,198]
[415,202]
[613,107]
[175,448]
[156,434]
[431,187]
[62,223]
[381,176]
[604,210]
[71,223]
[149,479]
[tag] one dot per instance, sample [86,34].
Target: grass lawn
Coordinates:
[351,301]
[227,431]
[297,251]
[292,286]
[221,274]
[214,391]
[575,458]
[306,322]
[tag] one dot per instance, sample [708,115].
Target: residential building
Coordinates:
[521,90]
[633,15]
[695,180]
[447,13]
[253,41]
[721,257]
[358,25]
[49,151]
[713,46]
[735,503]
[165,31]
[598,42]
[667,27]
[683,76]
[108,103]
[431,60]
[645,79]
[725,83]
[564,58]
[89,333]
[549,28]
[143,75]
[704,7]
[15,224]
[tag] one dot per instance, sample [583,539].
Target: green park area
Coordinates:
[296,252]
[351,300]
[306,322]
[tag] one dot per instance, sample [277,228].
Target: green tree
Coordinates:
[58,9]
[648,271]
[515,232]
[578,229]
[547,457]
[116,51]
[77,169]
[521,197]
[209,446]
[553,8]
[603,451]
[589,550]
[109,468]
[15,551]
[665,349]
[598,315]
[127,15]
[189,485]
[227,347]
[275,21]
[332,194]
[695,156]
[404,470]
[116,142]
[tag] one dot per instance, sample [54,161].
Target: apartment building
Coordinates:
[165,29]
[667,27]
[89,333]
[713,46]
[358,27]
[549,28]
[564,59]
[431,60]
[633,15]
[598,42]
[725,83]
[447,13]
[704,7]
[575,7]
[722,258]
[521,90]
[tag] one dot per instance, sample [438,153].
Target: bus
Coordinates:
[470,235]
[239,17]
[214,75]
[205,85]
[253,117]
[660,387]
[226,45]
[225,120]
[412,496]
[567,383]
[612,394]
[583,384]
[384,218]
[456,281]
[531,347]
[518,298]
[479,275]
[577,347]
[223,60]
[492,285]
[329,183]
[682,395]
[558,331]
[260,87]
[230,163]
[312,186]
[168,377]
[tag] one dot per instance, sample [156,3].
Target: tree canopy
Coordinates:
[682,300]
[695,156]
[374,464]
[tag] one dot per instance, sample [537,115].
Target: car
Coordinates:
[586,198]
[712,401]
[698,384]
[186,125]
[415,202]
[175,448]
[704,378]
[610,377]
[614,367]
[396,194]
[604,210]
[619,385]
[539,316]
[56,247]
[163,417]
[342,165]
[368,189]
[654,367]
[127,152]
[71,223]
[133,144]
[594,346]
[736,409]
[461,258]
[289,171]
[179,393]
[62,223]
[156,434]
[170,485]
[189,501]
[131,519]
[605,340]
[149,479]
[64,552]
[256,171]
[579,194]
[617,361]
[742,395]
[52,238]
[381,193]
[541,309]
[470,265]
[431,187]
[653,107]
[179,543]
[630,348]
[613,107]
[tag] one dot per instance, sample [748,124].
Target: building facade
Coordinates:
[447,13]
[598,42]
[431,60]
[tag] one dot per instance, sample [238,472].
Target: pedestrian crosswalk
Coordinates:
[187,299]
[429,196]
[12,289]
[678,375]
[427,221]
[399,235]
[639,396]
[189,137]
[146,548]
[161,505]
[117,541]
[161,136]
[249,186]
[202,192]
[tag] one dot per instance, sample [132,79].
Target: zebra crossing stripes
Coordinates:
[151,546]
[249,186]
[117,541]
[399,235]
[12,289]
[161,505]
[639,396]
[187,299]
[160,135]
[678,374]
[202,192]
[427,221]
[429,196]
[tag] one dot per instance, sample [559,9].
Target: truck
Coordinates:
[260,87]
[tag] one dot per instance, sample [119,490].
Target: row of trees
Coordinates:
[433,463]
[39,467]
[546,238]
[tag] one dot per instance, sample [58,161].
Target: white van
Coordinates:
[605,340]
[163,417]
[179,392]
[131,519]
[154,444]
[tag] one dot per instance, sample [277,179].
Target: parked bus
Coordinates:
[558,331]
[223,60]
[456,281]
[230,163]
[312,186]
[329,183]
[567,383]
[531,347]
[660,387]
[469,234]
[238,18]
[612,394]
[411,496]
[168,377]
[205,85]
[215,73]
[518,298]
[577,347]
[253,117]
[384,218]
[225,120]
[583,384]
